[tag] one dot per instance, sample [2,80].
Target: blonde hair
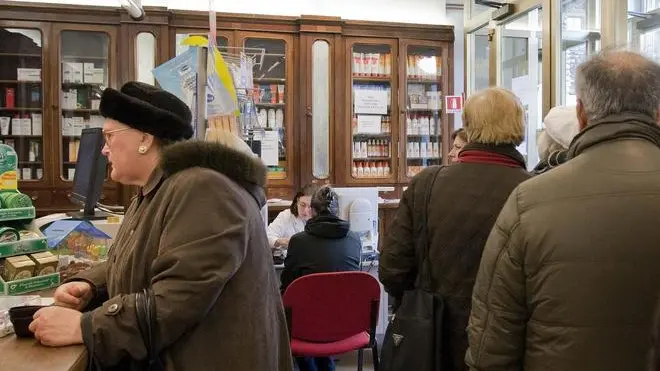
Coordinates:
[494,116]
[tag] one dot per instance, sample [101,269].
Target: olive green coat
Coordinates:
[195,236]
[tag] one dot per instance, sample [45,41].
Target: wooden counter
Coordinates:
[27,355]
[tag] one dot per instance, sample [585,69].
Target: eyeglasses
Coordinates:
[107,135]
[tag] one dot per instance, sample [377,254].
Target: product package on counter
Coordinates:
[78,244]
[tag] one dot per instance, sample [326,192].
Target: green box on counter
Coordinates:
[31,284]
[21,213]
[22,247]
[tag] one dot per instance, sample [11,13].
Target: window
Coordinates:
[145,57]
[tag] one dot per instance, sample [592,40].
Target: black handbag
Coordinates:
[413,339]
[146,314]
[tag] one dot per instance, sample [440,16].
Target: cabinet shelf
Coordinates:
[269,79]
[412,80]
[33,163]
[20,109]
[270,105]
[82,84]
[20,55]
[372,159]
[368,135]
[371,79]
[21,136]
[90,57]
[423,158]
[19,82]
[424,135]
[80,110]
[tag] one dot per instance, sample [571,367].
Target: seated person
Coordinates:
[293,219]
[326,245]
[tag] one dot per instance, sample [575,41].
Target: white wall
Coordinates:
[408,11]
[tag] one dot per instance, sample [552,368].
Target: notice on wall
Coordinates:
[369,124]
[371,102]
[269,148]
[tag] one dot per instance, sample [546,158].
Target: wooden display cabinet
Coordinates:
[65,35]
[424,124]
[371,124]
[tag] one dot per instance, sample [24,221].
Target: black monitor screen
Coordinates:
[90,170]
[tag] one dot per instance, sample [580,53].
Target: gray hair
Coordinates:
[618,81]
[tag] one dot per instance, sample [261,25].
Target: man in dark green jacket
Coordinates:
[570,274]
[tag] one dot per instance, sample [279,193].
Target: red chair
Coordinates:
[333,313]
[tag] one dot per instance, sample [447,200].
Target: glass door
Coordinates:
[520,63]
[22,99]
[273,78]
[478,59]
[373,123]
[424,94]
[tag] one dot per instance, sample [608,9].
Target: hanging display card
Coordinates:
[269,148]
[371,102]
[369,124]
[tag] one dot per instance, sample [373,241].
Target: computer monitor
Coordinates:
[359,206]
[88,178]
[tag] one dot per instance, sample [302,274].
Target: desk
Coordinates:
[27,355]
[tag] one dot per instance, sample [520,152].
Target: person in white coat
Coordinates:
[293,219]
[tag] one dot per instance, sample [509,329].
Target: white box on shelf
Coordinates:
[67,126]
[37,126]
[26,126]
[98,76]
[28,74]
[16,126]
[96,104]
[67,72]
[27,173]
[72,173]
[88,73]
[78,125]
[77,72]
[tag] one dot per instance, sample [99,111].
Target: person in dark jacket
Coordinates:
[326,245]
[465,199]
[569,275]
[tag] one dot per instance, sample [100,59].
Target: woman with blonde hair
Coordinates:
[452,210]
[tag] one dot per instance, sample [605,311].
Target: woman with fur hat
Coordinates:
[190,256]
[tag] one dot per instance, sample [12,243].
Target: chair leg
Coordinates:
[360,359]
[376,357]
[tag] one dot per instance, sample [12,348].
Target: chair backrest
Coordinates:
[326,307]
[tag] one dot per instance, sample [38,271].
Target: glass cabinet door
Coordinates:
[372,150]
[84,74]
[21,98]
[423,108]
[271,87]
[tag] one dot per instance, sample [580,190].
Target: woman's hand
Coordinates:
[75,295]
[57,327]
[282,242]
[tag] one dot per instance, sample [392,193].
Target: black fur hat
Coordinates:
[149,109]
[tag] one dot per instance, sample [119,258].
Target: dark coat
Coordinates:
[196,237]
[464,203]
[655,347]
[569,276]
[326,245]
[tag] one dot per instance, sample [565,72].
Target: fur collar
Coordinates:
[247,171]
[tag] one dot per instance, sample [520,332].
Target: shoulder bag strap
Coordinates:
[424,278]
[145,309]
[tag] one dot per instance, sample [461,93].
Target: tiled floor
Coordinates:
[348,362]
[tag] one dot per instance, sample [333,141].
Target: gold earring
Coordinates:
[142,149]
